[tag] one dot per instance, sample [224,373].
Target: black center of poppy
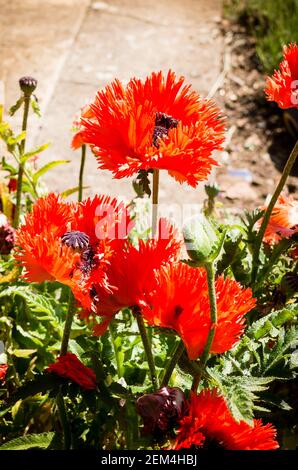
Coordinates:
[93,295]
[178,310]
[163,122]
[211,443]
[88,261]
[75,239]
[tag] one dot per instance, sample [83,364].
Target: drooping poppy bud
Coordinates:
[161,410]
[7,236]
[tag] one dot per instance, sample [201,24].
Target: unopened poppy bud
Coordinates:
[212,190]
[161,410]
[28,85]
[201,239]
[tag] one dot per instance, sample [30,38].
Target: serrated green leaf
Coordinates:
[49,166]
[240,392]
[41,441]
[262,327]
[35,301]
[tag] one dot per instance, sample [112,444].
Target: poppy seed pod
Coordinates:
[28,85]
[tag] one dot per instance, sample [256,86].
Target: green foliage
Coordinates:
[31,441]
[266,353]
[33,318]
[240,393]
[272,22]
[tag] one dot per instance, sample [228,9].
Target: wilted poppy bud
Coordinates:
[28,85]
[201,239]
[7,236]
[161,410]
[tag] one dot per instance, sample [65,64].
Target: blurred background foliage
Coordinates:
[272,23]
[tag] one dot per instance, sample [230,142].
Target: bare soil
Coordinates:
[258,143]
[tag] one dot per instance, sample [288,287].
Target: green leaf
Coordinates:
[70,191]
[41,441]
[36,302]
[23,352]
[273,320]
[44,169]
[240,392]
[42,384]
[16,106]
[40,149]
[12,140]
[35,106]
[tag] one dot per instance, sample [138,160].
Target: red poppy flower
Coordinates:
[180,301]
[3,371]
[159,123]
[282,87]
[67,242]
[210,422]
[130,272]
[70,367]
[283,222]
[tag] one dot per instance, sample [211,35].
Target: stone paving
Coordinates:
[74,47]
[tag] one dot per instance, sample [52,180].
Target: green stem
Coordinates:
[172,363]
[116,352]
[209,267]
[21,165]
[155,190]
[68,323]
[64,421]
[147,346]
[83,158]
[278,190]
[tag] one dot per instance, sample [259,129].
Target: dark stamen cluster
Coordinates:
[87,261]
[163,122]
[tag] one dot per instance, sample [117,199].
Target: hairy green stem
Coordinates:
[81,176]
[116,352]
[64,420]
[155,190]
[278,190]
[21,164]
[147,346]
[209,267]
[172,363]
[68,323]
